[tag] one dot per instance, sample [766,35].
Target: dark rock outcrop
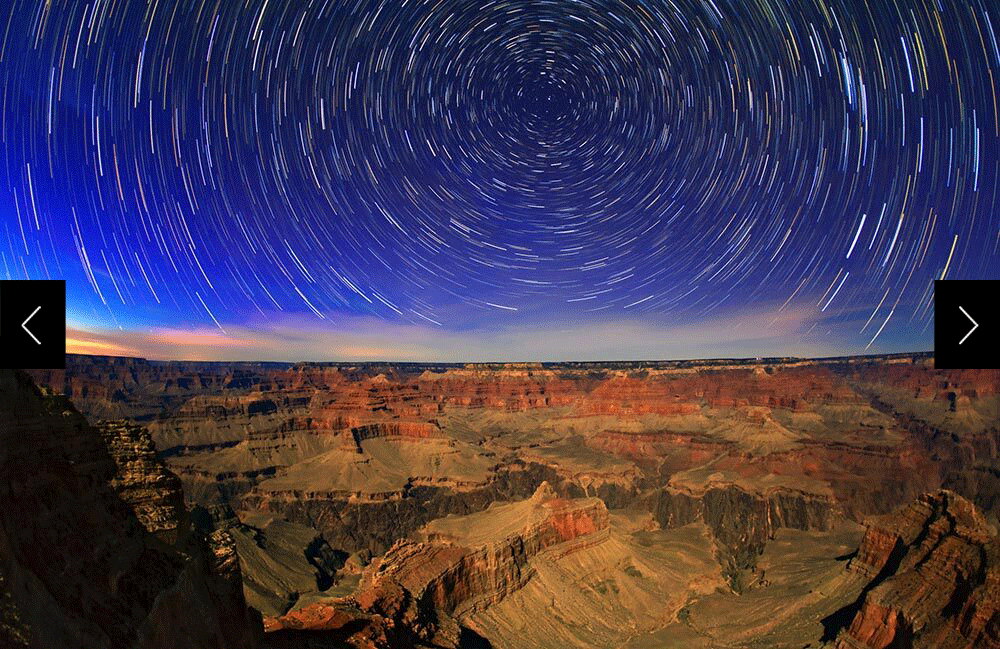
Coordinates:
[742,522]
[78,568]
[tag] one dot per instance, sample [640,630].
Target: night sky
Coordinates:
[457,180]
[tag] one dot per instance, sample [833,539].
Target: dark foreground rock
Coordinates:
[81,562]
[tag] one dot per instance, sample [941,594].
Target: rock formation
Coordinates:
[141,480]
[78,566]
[934,571]
[419,589]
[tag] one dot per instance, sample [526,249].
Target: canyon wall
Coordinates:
[934,570]
[90,552]
[418,590]
[872,431]
[743,522]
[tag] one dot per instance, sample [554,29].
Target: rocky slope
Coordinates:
[80,565]
[743,522]
[284,564]
[934,579]
[419,589]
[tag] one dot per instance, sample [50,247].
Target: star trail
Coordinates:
[463,166]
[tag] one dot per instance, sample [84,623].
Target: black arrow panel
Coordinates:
[33,324]
[965,324]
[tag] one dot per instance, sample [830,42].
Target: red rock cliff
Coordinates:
[935,569]
[464,564]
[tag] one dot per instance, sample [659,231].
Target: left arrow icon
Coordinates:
[24,325]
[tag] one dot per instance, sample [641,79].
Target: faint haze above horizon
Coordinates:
[295,339]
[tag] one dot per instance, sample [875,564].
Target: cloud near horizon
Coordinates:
[298,338]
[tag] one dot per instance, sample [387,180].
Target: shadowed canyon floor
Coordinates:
[572,505]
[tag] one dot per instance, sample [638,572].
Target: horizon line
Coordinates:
[702,360]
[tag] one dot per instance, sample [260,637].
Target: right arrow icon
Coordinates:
[960,343]
[975,325]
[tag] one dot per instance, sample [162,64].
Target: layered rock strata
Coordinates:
[141,480]
[934,570]
[416,592]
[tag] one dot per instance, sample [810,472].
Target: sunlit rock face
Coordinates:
[934,570]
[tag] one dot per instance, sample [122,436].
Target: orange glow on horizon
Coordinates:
[97,348]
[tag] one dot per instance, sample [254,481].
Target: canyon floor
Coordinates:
[846,502]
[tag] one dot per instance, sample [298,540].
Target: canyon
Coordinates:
[847,502]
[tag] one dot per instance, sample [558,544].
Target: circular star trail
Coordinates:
[456,162]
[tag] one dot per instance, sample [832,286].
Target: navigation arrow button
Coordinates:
[37,341]
[24,325]
[975,325]
[965,335]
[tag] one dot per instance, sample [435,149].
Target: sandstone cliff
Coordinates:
[418,590]
[742,522]
[934,570]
